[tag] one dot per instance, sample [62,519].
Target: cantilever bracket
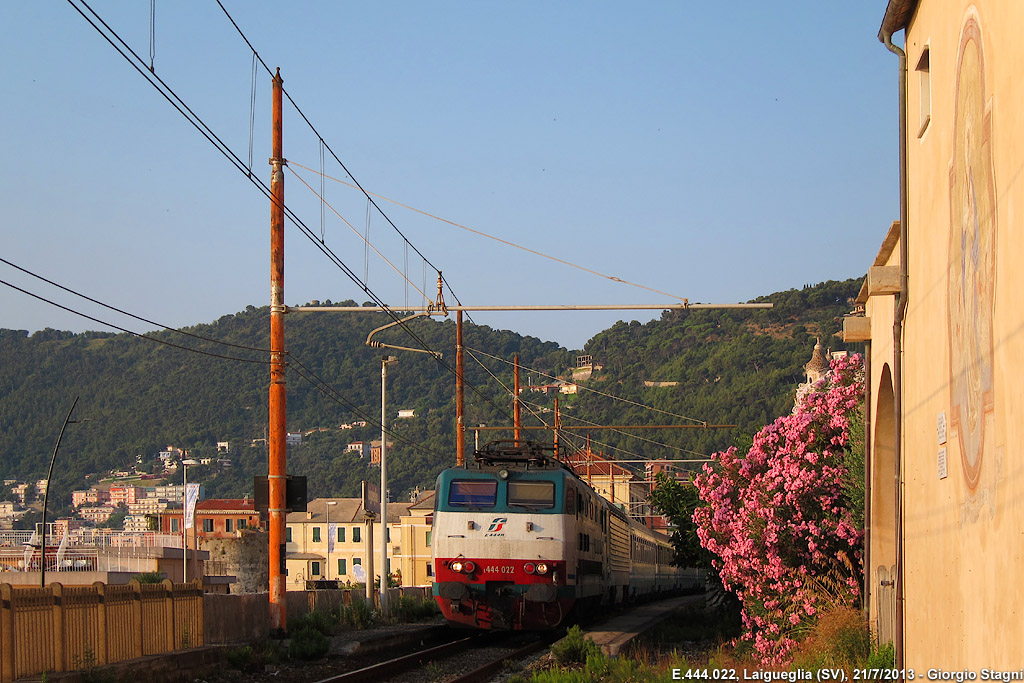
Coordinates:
[381,345]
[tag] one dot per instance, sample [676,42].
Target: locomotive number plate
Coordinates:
[500,569]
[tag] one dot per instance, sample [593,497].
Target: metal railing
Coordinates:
[76,560]
[130,560]
[99,538]
[216,568]
[96,550]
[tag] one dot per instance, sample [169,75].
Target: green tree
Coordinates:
[677,500]
[116,520]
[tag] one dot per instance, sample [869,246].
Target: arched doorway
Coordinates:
[883,508]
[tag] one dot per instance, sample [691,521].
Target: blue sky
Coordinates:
[715,151]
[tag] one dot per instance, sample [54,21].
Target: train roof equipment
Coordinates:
[526,455]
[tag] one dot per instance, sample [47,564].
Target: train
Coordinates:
[522,543]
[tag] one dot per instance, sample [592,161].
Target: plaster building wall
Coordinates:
[415,553]
[963,342]
[225,517]
[352,541]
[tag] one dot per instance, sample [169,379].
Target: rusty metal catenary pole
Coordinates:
[517,414]
[277,443]
[460,406]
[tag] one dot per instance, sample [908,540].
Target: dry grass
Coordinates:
[839,639]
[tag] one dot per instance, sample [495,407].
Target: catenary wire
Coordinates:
[530,405]
[305,373]
[167,92]
[630,466]
[331,150]
[326,146]
[324,202]
[131,332]
[510,392]
[330,392]
[292,216]
[595,391]
[618,431]
[637,437]
[131,315]
[583,452]
[497,239]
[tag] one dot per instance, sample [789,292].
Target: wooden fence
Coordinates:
[64,628]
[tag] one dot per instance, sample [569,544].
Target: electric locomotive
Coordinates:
[519,541]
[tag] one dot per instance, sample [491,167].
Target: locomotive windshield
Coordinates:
[534,494]
[473,493]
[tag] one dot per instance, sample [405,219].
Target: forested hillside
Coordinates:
[139,396]
[732,367]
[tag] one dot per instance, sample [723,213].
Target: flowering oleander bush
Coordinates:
[779,522]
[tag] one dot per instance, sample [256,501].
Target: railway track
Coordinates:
[439,653]
[483,656]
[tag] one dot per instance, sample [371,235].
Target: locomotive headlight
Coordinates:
[468,567]
[456,566]
[502,474]
[542,568]
[529,567]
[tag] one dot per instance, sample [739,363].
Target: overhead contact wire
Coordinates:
[498,239]
[369,199]
[321,138]
[595,391]
[324,202]
[621,432]
[637,437]
[131,315]
[347,270]
[507,390]
[167,92]
[131,332]
[330,392]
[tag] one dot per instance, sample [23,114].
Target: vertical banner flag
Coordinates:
[61,549]
[30,549]
[331,535]
[191,498]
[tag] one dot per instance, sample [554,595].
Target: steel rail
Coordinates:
[381,671]
[487,671]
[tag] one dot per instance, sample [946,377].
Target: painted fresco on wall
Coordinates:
[972,248]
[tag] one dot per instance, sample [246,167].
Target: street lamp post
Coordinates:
[384,362]
[184,517]
[330,538]
[46,496]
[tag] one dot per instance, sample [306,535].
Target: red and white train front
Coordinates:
[519,541]
[498,541]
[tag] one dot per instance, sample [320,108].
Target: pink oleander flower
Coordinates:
[778,518]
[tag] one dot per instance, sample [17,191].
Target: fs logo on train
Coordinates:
[496,525]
